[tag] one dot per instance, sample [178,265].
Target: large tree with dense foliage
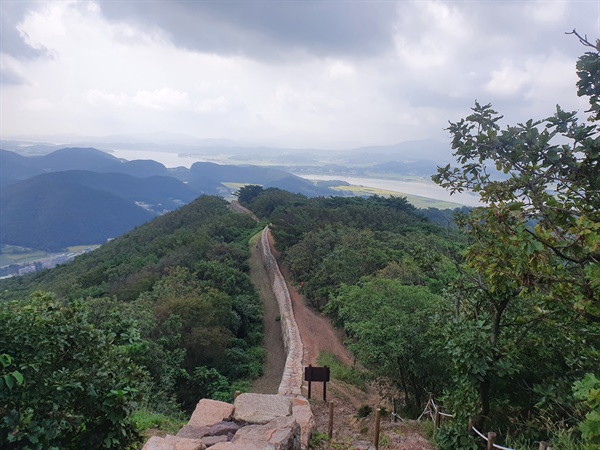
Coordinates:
[540,230]
[393,333]
[533,265]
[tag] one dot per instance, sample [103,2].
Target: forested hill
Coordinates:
[480,318]
[152,321]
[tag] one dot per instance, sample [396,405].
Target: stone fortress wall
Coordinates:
[282,421]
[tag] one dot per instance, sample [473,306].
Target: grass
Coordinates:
[341,372]
[160,424]
[12,254]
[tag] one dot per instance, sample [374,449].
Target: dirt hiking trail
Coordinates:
[318,335]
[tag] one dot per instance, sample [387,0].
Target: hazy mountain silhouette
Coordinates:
[51,212]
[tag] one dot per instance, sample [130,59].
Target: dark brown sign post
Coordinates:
[317,374]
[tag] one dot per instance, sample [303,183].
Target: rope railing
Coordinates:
[435,412]
[490,439]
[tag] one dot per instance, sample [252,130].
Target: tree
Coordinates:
[540,229]
[392,332]
[247,193]
[533,263]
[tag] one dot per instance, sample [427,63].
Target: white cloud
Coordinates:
[40,104]
[164,98]
[102,76]
[508,80]
[208,105]
[549,11]
[100,99]
[340,69]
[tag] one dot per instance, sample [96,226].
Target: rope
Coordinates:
[502,448]
[486,439]
[480,434]
[398,416]
[425,411]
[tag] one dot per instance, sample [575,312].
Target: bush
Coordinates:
[364,411]
[75,389]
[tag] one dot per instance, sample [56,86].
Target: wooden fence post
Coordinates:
[330,428]
[491,440]
[377,423]
[437,417]
[470,428]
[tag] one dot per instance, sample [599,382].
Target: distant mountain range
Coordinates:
[84,196]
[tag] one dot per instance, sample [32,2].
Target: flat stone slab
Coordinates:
[208,412]
[261,408]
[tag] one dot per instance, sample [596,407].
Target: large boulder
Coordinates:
[261,408]
[282,433]
[209,412]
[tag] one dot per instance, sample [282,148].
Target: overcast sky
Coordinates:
[329,74]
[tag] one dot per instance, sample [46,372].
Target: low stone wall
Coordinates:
[291,381]
[255,421]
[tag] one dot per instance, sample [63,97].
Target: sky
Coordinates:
[312,73]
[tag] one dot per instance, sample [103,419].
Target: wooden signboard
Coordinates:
[317,374]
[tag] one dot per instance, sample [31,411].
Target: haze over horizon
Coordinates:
[293,74]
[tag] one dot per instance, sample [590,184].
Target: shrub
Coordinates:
[77,389]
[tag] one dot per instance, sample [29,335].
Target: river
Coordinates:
[422,188]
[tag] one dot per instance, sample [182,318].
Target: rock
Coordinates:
[304,416]
[174,443]
[242,446]
[212,440]
[208,412]
[282,433]
[261,408]
[157,443]
[191,432]
[224,428]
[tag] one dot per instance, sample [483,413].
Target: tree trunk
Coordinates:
[403,382]
[484,398]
